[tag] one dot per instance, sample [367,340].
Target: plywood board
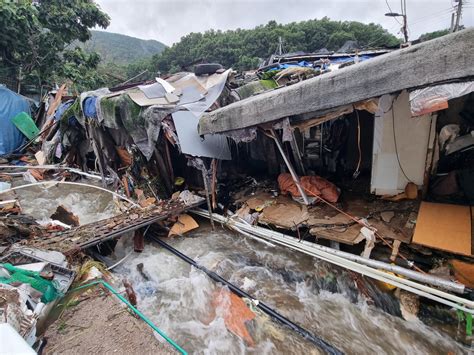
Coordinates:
[445,227]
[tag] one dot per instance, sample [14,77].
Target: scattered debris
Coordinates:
[184,224]
[236,314]
[62,214]
[387,216]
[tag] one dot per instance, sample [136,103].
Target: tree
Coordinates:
[243,49]
[432,35]
[337,39]
[34,37]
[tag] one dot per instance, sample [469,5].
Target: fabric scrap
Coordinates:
[313,185]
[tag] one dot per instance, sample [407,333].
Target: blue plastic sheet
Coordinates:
[89,107]
[61,109]
[339,60]
[11,104]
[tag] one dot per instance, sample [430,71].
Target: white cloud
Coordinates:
[168,20]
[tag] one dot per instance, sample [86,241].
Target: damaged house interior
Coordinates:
[292,194]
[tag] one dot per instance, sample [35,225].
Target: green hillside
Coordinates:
[121,49]
[243,49]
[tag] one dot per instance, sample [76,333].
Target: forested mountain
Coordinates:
[120,49]
[243,49]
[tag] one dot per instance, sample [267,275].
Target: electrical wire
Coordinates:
[362,223]
[396,147]
[372,268]
[357,170]
[390,9]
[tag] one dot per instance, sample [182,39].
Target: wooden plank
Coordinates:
[350,236]
[442,59]
[445,227]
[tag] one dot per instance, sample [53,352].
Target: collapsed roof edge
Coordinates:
[443,59]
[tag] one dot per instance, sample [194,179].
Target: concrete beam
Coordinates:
[446,58]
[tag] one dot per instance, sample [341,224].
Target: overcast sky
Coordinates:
[168,20]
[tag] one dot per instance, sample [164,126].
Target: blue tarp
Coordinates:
[89,107]
[61,109]
[339,60]
[11,104]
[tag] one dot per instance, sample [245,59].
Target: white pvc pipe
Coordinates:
[422,290]
[417,276]
[237,229]
[70,183]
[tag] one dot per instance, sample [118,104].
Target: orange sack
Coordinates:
[313,186]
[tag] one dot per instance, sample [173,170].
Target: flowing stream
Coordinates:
[191,308]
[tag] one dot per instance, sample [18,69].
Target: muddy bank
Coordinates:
[99,324]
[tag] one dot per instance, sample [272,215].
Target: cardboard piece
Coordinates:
[283,212]
[445,227]
[464,272]
[184,224]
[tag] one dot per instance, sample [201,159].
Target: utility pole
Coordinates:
[403,14]
[280,46]
[20,77]
[405,25]
[404,29]
[458,15]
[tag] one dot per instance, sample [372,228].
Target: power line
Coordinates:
[431,17]
[433,14]
[390,10]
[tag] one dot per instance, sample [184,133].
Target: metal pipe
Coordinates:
[426,291]
[208,199]
[290,168]
[328,348]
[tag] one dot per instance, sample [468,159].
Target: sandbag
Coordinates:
[313,186]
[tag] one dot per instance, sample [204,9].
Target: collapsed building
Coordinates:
[386,126]
[363,160]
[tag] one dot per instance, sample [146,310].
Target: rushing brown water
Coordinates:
[315,295]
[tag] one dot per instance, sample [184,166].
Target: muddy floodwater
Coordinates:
[321,298]
[191,308]
[88,203]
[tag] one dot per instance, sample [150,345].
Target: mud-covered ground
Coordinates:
[99,324]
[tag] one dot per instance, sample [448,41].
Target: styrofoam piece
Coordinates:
[12,343]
